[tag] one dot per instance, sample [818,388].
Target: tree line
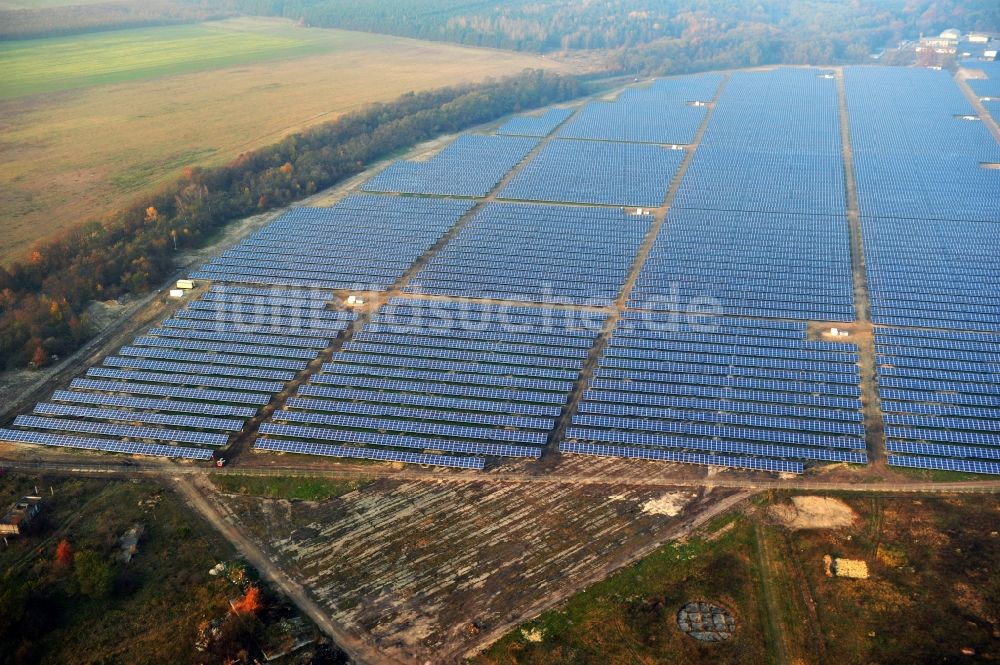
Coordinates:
[44,297]
[44,21]
[819,31]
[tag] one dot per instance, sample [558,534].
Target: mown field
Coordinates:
[127,110]
[931,597]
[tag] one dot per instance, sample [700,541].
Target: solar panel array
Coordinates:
[537,253]
[771,145]
[750,264]
[471,165]
[448,382]
[597,172]
[362,243]
[914,155]
[993,108]
[940,393]
[536,124]
[989,86]
[662,112]
[932,273]
[194,380]
[727,392]
[758,227]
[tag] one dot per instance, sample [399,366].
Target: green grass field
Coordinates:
[63,63]
[307,489]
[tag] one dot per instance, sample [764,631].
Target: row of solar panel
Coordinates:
[596,172]
[667,111]
[537,124]
[471,165]
[917,157]
[380,237]
[476,393]
[186,384]
[942,412]
[654,404]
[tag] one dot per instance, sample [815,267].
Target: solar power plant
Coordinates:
[537,124]
[443,383]
[537,253]
[471,165]
[940,393]
[597,172]
[363,243]
[729,392]
[750,264]
[194,385]
[772,145]
[915,154]
[667,111]
[993,108]
[933,273]
[989,86]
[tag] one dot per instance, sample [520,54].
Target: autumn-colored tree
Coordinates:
[286,168]
[64,553]
[151,214]
[39,358]
[251,603]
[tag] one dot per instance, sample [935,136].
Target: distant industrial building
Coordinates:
[19,518]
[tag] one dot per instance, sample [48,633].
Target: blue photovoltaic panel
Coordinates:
[413,427]
[106,445]
[346,361]
[244,338]
[199,368]
[667,111]
[431,401]
[196,378]
[945,464]
[933,273]
[538,254]
[597,172]
[939,392]
[304,448]
[198,422]
[752,463]
[338,242]
[405,441]
[209,325]
[936,449]
[245,291]
[773,264]
[431,388]
[389,411]
[914,155]
[651,391]
[772,145]
[535,124]
[723,446]
[224,347]
[207,357]
[170,391]
[174,405]
[470,166]
[416,388]
[133,432]
[187,380]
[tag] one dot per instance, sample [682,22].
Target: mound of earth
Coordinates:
[813,512]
